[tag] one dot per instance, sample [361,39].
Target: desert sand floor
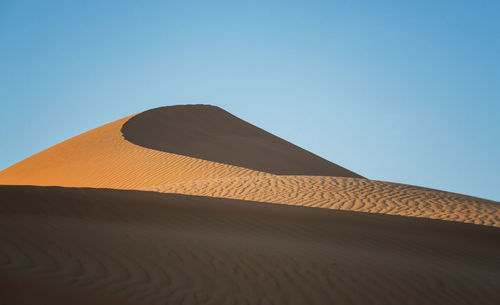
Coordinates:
[131,247]
[191,205]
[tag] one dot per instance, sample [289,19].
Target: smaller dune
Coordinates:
[362,195]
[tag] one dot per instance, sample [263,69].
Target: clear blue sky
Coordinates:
[404,91]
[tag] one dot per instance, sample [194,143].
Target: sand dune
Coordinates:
[180,147]
[191,205]
[103,157]
[133,247]
[352,194]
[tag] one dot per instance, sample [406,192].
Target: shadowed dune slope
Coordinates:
[211,133]
[339,193]
[102,246]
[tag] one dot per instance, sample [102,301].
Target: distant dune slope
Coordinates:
[353,194]
[176,143]
[101,246]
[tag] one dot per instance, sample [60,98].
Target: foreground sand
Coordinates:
[190,205]
[98,246]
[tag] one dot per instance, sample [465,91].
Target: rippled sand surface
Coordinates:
[351,194]
[191,205]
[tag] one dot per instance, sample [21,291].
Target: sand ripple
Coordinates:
[362,195]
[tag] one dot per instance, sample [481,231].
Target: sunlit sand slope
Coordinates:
[353,194]
[103,158]
[95,246]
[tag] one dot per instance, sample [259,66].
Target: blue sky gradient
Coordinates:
[403,91]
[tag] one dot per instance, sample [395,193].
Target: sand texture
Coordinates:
[191,205]
[151,248]
[352,194]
